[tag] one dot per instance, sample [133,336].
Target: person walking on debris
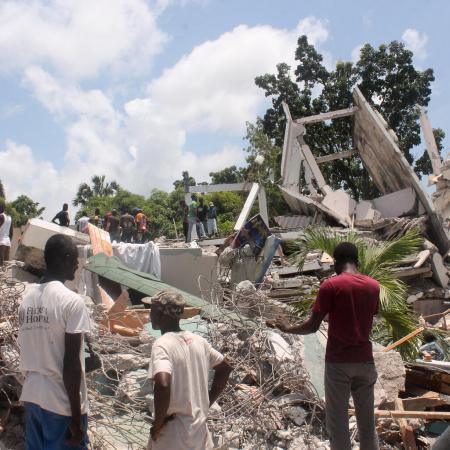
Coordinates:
[63,216]
[350,300]
[212,220]
[184,212]
[113,226]
[179,367]
[128,225]
[192,216]
[202,211]
[96,220]
[6,233]
[141,226]
[52,324]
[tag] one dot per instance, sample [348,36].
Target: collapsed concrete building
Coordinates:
[275,399]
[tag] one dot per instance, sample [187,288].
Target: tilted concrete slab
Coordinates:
[386,164]
[308,206]
[397,204]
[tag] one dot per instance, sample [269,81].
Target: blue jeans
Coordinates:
[46,430]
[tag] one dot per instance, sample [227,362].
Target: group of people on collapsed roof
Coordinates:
[54,326]
[133,227]
[199,215]
[128,227]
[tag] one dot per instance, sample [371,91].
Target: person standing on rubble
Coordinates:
[63,216]
[6,233]
[184,212]
[113,226]
[212,220]
[52,323]
[179,368]
[350,299]
[128,226]
[202,211]
[192,216]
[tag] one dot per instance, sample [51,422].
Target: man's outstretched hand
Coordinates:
[280,323]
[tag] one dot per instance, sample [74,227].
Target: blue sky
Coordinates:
[141,90]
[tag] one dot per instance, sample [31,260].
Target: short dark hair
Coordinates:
[346,252]
[65,206]
[56,249]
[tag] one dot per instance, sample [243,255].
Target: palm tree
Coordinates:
[99,188]
[376,259]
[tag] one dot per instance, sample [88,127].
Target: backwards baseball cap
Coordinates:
[170,303]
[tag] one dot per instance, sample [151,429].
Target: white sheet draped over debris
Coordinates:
[142,257]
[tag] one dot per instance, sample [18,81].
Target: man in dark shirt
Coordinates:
[63,216]
[350,300]
[127,224]
[113,226]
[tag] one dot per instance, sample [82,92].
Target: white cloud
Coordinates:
[356,53]
[416,42]
[142,145]
[22,173]
[11,110]
[79,38]
[213,87]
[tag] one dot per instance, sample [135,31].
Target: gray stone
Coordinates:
[391,376]
[135,385]
[124,362]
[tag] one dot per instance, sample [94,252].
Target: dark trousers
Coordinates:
[341,380]
[46,430]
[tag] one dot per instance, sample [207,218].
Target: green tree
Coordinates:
[22,209]
[99,188]
[2,190]
[229,175]
[185,181]
[386,77]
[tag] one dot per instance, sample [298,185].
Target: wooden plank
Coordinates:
[426,415]
[405,430]
[333,156]
[247,207]
[404,339]
[429,400]
[432,149]
[425,272]
[327,116]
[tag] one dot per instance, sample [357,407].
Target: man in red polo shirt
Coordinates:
[350,300]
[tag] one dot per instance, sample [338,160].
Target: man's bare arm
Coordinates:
[161,392]
[310,325]
[72,381]
[221,375]
[11,230]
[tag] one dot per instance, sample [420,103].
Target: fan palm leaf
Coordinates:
[376,259]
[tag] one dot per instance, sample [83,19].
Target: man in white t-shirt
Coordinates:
[179,368]
[52,324]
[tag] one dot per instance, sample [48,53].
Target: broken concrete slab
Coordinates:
[391,376]
[182,267]
[387,166]
[365,211]
[341,204]
[35,236]
[397,204]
